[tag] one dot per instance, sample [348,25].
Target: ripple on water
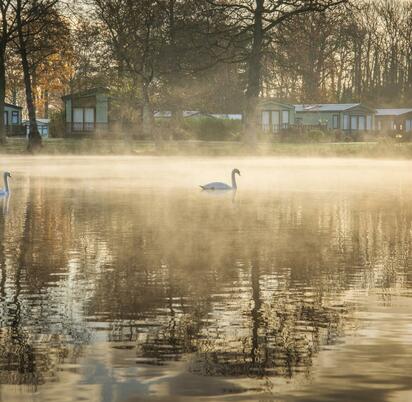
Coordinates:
[142,292]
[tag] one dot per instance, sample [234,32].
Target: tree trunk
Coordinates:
[173,79]
[254,78]
[35,140]
[177,114]
[147,117]
[2,94]
[46,104]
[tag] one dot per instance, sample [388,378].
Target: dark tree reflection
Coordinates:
[34,337]
[252,288]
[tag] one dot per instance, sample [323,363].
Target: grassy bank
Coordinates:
[212,148]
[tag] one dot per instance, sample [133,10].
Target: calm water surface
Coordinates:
[120,281]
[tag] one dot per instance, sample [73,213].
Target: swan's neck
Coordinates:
[6,183]
[234,185]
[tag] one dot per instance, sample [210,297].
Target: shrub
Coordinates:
[386,140]
[407,136]
[57,124]
[293,135]
[212,129]
[339,135]
[316,136]
[344,136]
[172,131]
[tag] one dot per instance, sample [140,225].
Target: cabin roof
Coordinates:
[185,113]
[12,106]
[393,112]
[327,107]
[197,113]
[274,101]
[89,92]
[228,116]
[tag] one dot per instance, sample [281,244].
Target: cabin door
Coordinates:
[265,120]
[368,122]
[285,119]
[78,119]
[88,119]
[275,121]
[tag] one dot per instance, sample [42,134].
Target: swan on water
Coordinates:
[223,186]
[5,191]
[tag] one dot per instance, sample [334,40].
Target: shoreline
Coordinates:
[114,147]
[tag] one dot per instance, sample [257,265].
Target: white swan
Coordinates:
[5,191]
[223,186]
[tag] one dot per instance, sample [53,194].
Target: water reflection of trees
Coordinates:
[245,294]
[252,288]
[35,334]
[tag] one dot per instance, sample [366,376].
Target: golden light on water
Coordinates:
[124,272]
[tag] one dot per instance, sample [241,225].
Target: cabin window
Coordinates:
[83,119]
[368,122]
[14,117]
[78,119]
[335,121]
[43,130]
[271,120]
[362,123]
[275,120]
[346,122]
[6,118]
[408,125]
[354,122]
[265,121]
[88,119]
[285,118]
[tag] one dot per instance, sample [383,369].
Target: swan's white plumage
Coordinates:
[216,186]
[223,186]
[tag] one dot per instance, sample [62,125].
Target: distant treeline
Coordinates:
[358,53]
[213,55]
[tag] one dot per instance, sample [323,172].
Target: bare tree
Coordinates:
[254,22]
[7,34]
[135,34]
[33,17]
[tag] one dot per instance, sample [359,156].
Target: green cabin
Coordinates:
[87,112]
[13,120]
[394,120]
[274,116]
[346,117]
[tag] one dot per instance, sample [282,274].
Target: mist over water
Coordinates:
[122,281]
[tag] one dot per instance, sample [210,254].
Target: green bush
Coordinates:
[386,140]
[292,135]
[212,129]
[407,136]
[200,128]
[57,126]
[316,136]
[170,130]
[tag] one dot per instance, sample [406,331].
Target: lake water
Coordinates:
[120,281]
